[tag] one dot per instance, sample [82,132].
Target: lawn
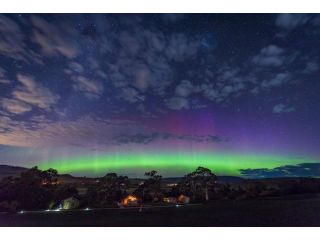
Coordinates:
[268,212]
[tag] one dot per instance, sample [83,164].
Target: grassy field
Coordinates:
[272,212]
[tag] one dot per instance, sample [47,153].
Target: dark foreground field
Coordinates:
[271,212]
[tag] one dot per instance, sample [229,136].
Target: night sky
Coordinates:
[89,94]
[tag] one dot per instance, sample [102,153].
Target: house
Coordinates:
[183,199]
[70,203]
[130,201]
[172,200]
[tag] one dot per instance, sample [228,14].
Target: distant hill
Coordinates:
[6,171]
[14,171]
[230,179]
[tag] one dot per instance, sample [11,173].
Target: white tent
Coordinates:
[70,203]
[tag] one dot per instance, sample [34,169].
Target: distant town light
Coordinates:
[172,184]
[21,212]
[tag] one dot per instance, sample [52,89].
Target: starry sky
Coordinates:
[92,93]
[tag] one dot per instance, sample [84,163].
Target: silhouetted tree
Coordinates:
[28,191]
[49,176]
[202,179]
[151,187]
[112,187]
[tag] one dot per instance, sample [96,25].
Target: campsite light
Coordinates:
[177,205]
[130,200]
[21,211]
[87,209]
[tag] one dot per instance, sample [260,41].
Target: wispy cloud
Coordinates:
[28,95]
[13,42]
[54,39]
[271,55]
[282,108]
[87,132]
[290,21]
[90,88]
[311,67]
[177,103]
[278,80]
[156,136]
[140,64]
[33,93]
[15,106]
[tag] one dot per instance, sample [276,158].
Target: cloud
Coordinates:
[199,138]
[85,132]
[142,138]
[210,92]
[11,38]
[219,87]
[177,103]
[76,67]
[27,95]
[181,47]
[12,42]
[2,72]
[33,93]
[139,138]
[145,64]
[299,170]
[184,88]
[228,89]
[271,50]
[290,21]
[15,106]
[54,39]
[91,89]
[311,67]
[3,79]
[229,83]
[271,55]
[278,80]
[140,63]
[282,108]
[172,17]
[131,95]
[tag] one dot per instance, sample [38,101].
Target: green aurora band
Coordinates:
[168,164]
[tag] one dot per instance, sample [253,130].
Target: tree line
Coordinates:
[37,189]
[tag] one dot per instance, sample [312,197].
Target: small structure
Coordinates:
[183,199]
[130,201]
[158,197]
[70,203]
[172,200]
[172,184]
